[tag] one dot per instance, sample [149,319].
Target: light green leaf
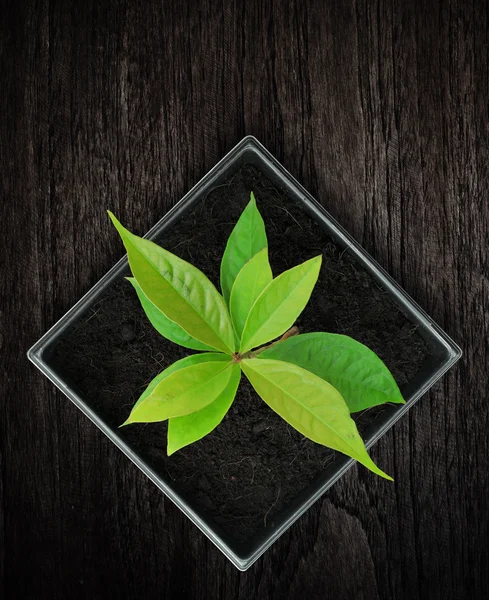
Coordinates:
[183,431]
[182,292]
[278,306]
[247,238]
[248,285]
[310,404]
[183,391]
[188,361]
[353,369]
[168,329]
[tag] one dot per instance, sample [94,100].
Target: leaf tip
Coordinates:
[170,449]
[381,473]
[114,219]
[398,399]
[117,224]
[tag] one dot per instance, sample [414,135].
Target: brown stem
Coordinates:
[289,333]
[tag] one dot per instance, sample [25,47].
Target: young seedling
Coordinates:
[312,380]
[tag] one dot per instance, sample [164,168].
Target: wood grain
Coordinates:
[381,110]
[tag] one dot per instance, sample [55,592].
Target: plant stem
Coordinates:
[254,353]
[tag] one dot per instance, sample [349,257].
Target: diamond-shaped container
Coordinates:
[444,351]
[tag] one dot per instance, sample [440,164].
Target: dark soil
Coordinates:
[245,472]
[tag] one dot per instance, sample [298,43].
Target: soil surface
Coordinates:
[246,471]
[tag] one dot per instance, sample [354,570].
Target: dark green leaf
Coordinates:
[353,369]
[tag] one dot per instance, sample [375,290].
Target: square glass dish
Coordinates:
[443,352]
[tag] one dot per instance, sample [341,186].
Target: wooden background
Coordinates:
[380,108]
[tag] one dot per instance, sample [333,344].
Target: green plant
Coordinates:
[313,381]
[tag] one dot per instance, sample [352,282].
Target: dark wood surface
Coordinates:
[381,110]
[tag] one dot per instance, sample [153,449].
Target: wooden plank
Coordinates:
[380,110]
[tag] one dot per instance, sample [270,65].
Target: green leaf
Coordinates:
[247,238]
[179,290]
[183,391]
[281,302]
[310,404]
[188,361]
[353,369]
[248,285]
[168,329]
[183,431]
